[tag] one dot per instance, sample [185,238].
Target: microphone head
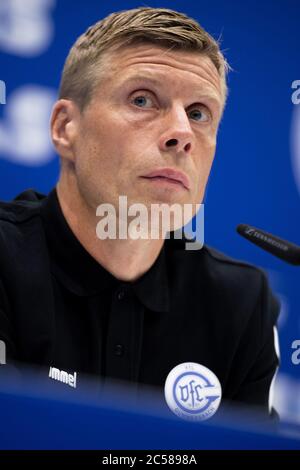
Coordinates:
[283,249]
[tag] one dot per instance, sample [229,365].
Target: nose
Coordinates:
[178,135]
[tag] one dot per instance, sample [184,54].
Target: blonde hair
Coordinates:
[160,26]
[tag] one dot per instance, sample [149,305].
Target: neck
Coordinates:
[126,259]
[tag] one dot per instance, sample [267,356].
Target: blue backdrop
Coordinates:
[256,174]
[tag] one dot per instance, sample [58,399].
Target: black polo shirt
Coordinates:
[60,308]
[100,319]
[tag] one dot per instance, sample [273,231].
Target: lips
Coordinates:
[170,174]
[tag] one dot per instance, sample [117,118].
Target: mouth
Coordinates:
[170,177]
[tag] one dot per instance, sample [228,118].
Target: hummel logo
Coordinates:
[62,376]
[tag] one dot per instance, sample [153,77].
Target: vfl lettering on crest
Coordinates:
[190,392]
[2,353]
[62,376]
[194,395]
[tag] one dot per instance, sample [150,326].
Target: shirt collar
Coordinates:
[84,276]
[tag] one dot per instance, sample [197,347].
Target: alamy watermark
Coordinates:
[2,352]
[2,92]
[138,221]
[296,94]
[296,354]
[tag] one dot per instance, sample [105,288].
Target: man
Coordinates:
[141,97]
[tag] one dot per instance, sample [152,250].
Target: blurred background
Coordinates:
[256,174]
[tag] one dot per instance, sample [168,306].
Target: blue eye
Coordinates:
[141,101]
[199,115]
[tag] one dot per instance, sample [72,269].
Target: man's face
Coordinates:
[154,109]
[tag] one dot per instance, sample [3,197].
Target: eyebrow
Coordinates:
[142,78]
[158,82]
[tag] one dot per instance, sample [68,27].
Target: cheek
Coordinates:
[206,154]
[203,168]
[100,145]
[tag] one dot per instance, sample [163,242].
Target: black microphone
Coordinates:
[283,249]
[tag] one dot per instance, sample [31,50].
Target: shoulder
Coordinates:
[25,206]
[224,283]
[214,265]
[20,223]
[240,280]
[233,272]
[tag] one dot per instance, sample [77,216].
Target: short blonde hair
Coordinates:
[160,26]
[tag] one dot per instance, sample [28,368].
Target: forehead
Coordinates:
[161,65]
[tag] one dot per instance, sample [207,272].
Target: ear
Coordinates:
[64,127]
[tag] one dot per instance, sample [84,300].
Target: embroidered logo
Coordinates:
[193,391]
